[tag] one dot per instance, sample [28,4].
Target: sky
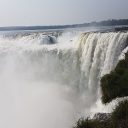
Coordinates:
[60,12]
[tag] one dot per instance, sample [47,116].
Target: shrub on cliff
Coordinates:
[119,116]
[92,123]
[118,119]
[115,84]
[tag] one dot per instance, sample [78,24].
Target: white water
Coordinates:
[52,85]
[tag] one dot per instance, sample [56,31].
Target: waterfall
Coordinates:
[99,54]
[46,84]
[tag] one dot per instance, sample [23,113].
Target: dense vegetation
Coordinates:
[115,84]
[120,115]
[118,119]
[90,123]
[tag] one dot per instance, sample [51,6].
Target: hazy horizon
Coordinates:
[59,12]
[59,24]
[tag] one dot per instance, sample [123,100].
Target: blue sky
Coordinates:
[54,12]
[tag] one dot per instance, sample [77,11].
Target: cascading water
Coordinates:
[49,82]
[99,54]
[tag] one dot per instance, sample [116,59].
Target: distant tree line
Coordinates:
[110,22]
[102,23]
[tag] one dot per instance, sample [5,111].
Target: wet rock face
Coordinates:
[102,116]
